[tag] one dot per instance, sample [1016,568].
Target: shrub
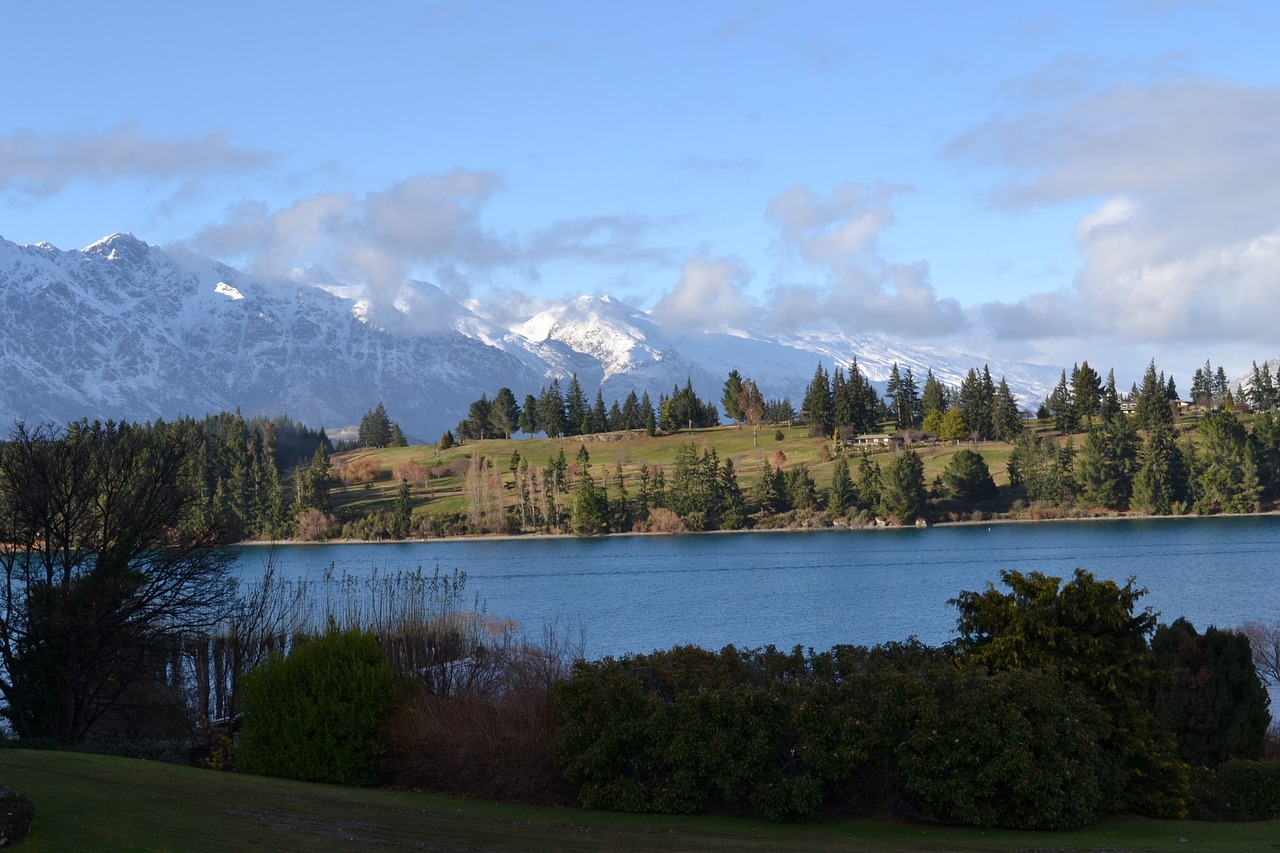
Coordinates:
[1014,749]
[1236,790]
[683,730]
[318,714]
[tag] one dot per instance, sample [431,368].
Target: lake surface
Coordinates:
[818,589]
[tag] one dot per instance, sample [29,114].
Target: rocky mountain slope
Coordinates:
[127,330]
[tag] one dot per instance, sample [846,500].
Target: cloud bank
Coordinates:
[1182,241]
[41,164]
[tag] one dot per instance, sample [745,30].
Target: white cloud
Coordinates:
[1182,243]
[855,287]
[708,295]
[40,164]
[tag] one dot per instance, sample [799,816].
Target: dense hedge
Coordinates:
[318,714]
[1236,790]
[900,728]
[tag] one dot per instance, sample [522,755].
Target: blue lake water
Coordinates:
[640,593]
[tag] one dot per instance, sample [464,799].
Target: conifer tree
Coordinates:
[840,496]
[730,401]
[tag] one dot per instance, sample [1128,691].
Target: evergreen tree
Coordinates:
[504,414]
[975,402]
[1086,392]
[1041,470]
[968,478]
[590,507]
[733,513]
[769,491]
[551,411]
[402,516]
[529,416]
[934,396]
[802,492]
[817,403]
[648,420]
[1109,406]
[840,496]
[397,436]
[730,400]
[902,487]
[1151,407]
[615,420]
[1062,408]
[1224,466]
[1006,420]
[631,412]
[1211,698]
[599,419]
[1106,465]
[375,428]
[575,407]
[904,400]
[1202,384]
[1161,481]
[868,490]
[1088,633]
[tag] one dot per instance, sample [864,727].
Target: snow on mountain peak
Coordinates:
[119,247]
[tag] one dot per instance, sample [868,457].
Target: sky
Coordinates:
[1051,182]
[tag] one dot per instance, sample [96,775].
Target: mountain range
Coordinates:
[131,331]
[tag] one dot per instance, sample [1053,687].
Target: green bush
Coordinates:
[1012,749]
[318,714]
[1236,790]
[683,730]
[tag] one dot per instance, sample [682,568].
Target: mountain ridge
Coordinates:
[127,330]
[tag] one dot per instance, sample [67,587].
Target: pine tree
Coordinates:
[730,400]
[933,398]
[817,402]
[648,420]
[504,414]
[599,417]
[529,416]
[402,515]
[375,428]
[575,407]
[1062,408]
[1006,420]
[733,515]
[1107,463]
[631,412]
[1161,481]
[551,411]
[1109,407]
[1086,392]
[1151,408]
[840,496]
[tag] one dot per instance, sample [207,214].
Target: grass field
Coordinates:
[444,492]
[90,802]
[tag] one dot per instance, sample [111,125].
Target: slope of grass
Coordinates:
[444,492]
[90,802]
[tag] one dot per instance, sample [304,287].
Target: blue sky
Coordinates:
[1054,182]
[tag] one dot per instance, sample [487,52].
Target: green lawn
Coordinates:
[89,802]
[749,454]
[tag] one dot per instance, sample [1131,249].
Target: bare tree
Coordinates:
[109,559]
[1264,642]
[751,403]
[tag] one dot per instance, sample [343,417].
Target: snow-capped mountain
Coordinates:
[126,330]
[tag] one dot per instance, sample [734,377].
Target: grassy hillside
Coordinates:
[444,491]
[87,802]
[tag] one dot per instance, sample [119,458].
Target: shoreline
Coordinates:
[500,537]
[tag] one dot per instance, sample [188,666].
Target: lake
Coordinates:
[820,588]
